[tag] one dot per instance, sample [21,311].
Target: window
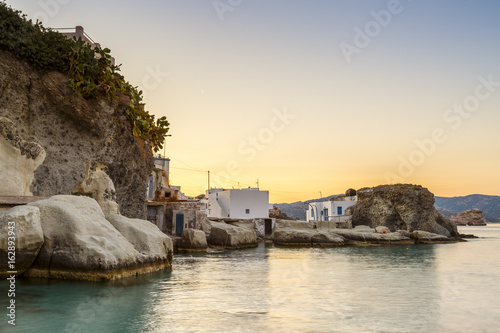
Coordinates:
[247,211]
[312,213]
[339,210]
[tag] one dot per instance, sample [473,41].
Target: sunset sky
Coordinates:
[310,96]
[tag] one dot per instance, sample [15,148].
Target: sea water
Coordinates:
[410,288]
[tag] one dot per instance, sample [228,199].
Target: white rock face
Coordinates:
[99,186]
[81,244]
[18,161]
[146,238]
[28,237]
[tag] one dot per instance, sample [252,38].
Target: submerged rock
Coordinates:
[400,207]
[231,237]
[25,226]
[81,244]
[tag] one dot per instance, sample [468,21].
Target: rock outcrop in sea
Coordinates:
[401,207]
[470,217]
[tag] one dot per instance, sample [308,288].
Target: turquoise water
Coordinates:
[421,288]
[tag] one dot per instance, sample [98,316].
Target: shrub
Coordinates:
[91,71]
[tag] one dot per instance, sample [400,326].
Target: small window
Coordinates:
[247,211]
[312,213]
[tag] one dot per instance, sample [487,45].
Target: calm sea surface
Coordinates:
[420,288]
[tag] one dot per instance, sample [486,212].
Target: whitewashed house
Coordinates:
[248,203]
[331,210]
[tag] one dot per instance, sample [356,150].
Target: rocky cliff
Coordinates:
[401,207]
[57,135]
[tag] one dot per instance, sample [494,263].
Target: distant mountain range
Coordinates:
[489,204]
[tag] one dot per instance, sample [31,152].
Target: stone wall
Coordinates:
[166,215]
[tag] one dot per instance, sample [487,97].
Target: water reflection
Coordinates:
[291,290]
[355,289]
[274,289]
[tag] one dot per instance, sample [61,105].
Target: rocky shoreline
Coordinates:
[85,238]
[70,237]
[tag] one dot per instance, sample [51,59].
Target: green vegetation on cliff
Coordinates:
[91,71]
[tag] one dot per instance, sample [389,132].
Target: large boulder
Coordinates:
[293,233]
[293,237]
[193,240]
[231,237]
[205,225]
[81,244]
[300,233]
[325,238]
[400,207]
[470,217]
[146,238]
[24,224]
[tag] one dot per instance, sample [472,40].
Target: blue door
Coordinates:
[339,210]
[179,224]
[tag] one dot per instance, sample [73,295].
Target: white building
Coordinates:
[331,210]
[245,203]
